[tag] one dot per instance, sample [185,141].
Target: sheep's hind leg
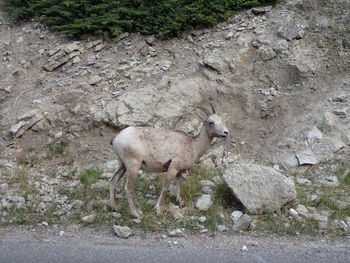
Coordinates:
[129,190]
[112,186]
[169,176]
[179,198]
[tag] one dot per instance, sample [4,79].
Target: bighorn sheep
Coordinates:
[161,150]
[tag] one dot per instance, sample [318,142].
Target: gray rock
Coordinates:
[347,220]
[153,103]
[176,211]
[94,80]
[122,231]
[242,223]
[236,214]
[221,228]
[20,40]
[93,43]
[202,219]
[314,135]
[216,62]
[290,161]
[259,188]
[307,157]
[99,47]
[328,122]
[291,29]
[258,10]
[204,202]
[325,148]
[151,40]
[266,52]
[176,233]
[89,218]
[293,213]
[341,113]
[4,188]
[206,183]
[303,181]
[69,48]
[280,46]
[341,204]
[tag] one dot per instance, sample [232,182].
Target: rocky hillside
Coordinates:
[278,75]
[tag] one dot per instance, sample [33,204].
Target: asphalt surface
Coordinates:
[37,251]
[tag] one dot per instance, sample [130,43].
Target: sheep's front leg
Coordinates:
[169,176]
[179,198]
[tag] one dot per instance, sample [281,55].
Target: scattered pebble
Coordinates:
[244,248]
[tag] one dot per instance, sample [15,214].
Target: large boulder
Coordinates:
[259,188]
[153,105]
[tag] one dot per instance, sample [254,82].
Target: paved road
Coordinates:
[34,251]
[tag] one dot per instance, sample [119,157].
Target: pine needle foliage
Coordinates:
[164,18]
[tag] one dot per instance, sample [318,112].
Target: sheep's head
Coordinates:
[214,124]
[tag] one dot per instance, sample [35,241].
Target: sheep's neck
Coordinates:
[201,143]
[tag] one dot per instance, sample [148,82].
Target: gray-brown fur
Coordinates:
[160,150]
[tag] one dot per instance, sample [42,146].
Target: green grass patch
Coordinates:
[165,18]
[56,149]
[90,176]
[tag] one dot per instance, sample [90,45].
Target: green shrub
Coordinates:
[165,18]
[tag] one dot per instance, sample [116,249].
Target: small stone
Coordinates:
[266,53]
[222,228]
[175,243]
[69,48]
[242,223]
[236,214]
[122,231]
[94,80]
[291,30]
[244,248]
[19,39]
[116,214]
[280,46]
[341,205]
[99,47]
[307,157]
[303,181]
[136,221]
[258,10]
[151,40]
[230,35]
[204,202]
[61,233]
[204,231]
[76,60]
[176,233]
[314,135]
[332,178]
[88,218]
[202,219]
[302,209]
[347,220]
[293,213]
[44,223]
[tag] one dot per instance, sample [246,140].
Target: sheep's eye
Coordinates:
[211,123]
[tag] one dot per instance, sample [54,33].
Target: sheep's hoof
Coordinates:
[159,209]
[137,213]
[181,202]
